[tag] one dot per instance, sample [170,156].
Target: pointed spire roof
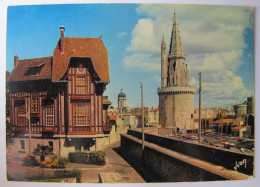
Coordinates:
[176,48]
[163,41]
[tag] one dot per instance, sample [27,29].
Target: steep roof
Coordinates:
[24,69]
[93,48]
[176,48]
[239,127]
[224,121]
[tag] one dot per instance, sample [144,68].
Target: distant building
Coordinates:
[121,101]
[112,111]
[153,117]
[225,111]
[208,115]
[241,131]
[251,105]
[240,109]
[176,97]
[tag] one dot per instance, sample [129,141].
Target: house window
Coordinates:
[51,145]
[21,120]
[80,84]
[22,144]
[50,115]
[35,103]
[81,115]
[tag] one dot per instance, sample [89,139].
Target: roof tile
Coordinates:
[93,48]
[19,71]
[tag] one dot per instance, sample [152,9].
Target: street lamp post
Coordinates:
[200,108]
[142,103]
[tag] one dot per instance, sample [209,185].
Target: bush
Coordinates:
[94,157]
[69,174]
[78,157]
[97,157]
[54,162]
[30,161]
[43,150]
[44,176]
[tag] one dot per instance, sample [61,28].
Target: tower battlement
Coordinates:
[177,90]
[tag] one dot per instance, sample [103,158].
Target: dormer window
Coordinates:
[34,70]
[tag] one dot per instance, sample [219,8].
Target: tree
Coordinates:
[43,150]
[9,129]
[9,133]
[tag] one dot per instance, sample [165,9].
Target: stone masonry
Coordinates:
[176,97]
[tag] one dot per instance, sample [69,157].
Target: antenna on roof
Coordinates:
[100,36]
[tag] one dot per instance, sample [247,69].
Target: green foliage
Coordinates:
[9,133]
[78,157]
[42,149]
[69,174]
[30,161]
[97,157]
[54,162]
[94,157]
[56,176]
[62,162]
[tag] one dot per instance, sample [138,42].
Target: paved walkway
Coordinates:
[115,166]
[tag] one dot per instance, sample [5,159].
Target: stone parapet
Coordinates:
[176,90]
[172,166]
[218,156]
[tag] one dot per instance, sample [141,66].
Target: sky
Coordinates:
[218,41]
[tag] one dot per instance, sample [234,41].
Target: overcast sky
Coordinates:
[217,40]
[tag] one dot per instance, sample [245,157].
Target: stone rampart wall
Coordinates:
[170,166]
[218,156]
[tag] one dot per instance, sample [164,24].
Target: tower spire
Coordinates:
[176,48]
[164,63]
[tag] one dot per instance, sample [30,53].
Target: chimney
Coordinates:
[16,60]
[62,29]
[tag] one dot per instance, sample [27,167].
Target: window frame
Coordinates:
[22,142]
[81,84]
[50,115]
[37,104]
[21,110]
[76,122]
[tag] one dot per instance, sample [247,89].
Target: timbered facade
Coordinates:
[59,100]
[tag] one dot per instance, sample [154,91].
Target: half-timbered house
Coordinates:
[58,100]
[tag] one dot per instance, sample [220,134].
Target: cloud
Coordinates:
[213,43]
[122,34]
[142,61]
[143,37]
[226,89]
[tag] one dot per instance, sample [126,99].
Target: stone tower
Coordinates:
[121,101]
[176,97]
